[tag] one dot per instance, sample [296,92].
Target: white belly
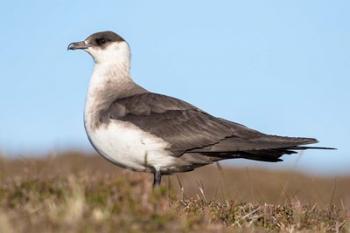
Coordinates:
[128,146]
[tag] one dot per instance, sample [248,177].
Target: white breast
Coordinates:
[128,146]
[121,142]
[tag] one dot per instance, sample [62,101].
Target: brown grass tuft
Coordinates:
[77,193]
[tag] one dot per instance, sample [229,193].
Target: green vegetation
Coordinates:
[75,193]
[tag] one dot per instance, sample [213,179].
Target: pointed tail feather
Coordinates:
[313,148]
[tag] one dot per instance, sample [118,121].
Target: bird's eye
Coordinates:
[100,41]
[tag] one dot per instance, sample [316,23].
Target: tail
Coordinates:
[267,148]
[314,148]
[274,155]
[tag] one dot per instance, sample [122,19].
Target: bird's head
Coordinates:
[104,47]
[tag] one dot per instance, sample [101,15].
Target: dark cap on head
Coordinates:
[98,40]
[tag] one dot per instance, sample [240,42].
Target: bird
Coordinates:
[144,131]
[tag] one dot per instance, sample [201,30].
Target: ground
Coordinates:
[84,193]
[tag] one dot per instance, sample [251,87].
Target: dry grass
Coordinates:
[75,193]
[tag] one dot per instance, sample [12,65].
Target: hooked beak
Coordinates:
[78,45]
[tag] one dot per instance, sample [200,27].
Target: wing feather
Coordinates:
[191,130]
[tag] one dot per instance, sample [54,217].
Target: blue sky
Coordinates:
[281,67]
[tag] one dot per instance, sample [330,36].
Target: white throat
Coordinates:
[110,79]
[112,67]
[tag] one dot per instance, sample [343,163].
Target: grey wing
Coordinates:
[190,130]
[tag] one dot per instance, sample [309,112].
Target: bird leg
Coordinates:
[157,178]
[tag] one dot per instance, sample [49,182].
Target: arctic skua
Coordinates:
[149,132]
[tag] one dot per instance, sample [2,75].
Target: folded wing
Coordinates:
[191,130]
